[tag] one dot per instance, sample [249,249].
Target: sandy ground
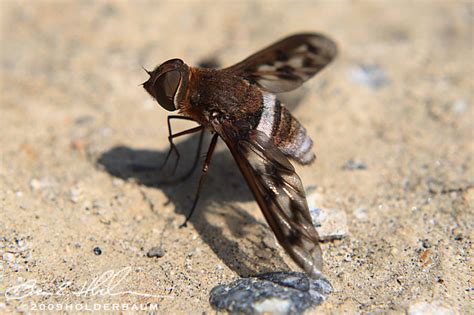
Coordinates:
[399,100]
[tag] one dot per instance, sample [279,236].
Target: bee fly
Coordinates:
[238,105]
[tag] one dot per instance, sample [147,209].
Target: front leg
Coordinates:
[205,168]
[171,136]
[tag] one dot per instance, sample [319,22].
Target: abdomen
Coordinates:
[285,130]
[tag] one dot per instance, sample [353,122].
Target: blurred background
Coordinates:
[392,121]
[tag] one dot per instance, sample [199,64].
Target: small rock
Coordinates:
[315,214]
[8,257]
[97,251]
[424,308]
[361,213]
[20,243]
[426,243]
[75,194]
[352,165]
[331,224]
[272,293]
[269,241]
[263,254]
[457,234]
[425,258]
[35,184]
[117,182]
[105,221]
[44,182]
[369,75]
[156,251]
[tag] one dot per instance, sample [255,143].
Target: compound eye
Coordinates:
[166,87]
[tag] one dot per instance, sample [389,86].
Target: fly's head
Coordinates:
[168,83]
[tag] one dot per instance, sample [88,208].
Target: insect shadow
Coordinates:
[242,250]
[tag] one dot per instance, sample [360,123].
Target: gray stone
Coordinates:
[275,293]
[156,251]
[331,224]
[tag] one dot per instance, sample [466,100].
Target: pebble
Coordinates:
[457,234]
[425,243]
[331,224]
[269,241]
[353,165]
[369,75]
[361,213]
[8,257]
[263,254]
[97,251]
[75,194]
[35,184]
[424,308]
[20,243]
[38,184]
[43,182]
[117,182]
[156,251]
[271,293]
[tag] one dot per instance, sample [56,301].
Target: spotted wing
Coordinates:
[288,63]
[279,193]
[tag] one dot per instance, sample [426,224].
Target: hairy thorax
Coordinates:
[215,92]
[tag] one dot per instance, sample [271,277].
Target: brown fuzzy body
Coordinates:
[217,91]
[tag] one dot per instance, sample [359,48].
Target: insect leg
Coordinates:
[171,136]
[205,167]
[196,158]
[193,167]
